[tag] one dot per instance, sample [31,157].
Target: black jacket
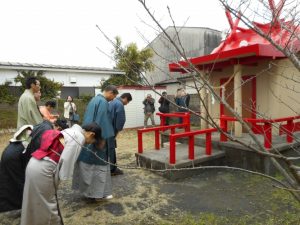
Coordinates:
[164,105]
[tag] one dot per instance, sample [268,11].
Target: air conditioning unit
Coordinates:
[73,80]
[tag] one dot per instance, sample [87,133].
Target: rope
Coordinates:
[181,169]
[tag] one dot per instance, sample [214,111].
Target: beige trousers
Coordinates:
[147,116]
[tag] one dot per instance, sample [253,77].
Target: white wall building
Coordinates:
[135,109]
[76,81]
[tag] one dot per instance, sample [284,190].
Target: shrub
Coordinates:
[5,95]
[49,88]
[86,98]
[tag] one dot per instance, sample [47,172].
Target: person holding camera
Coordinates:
[182,99]
[149,110]
[164,105]
[69,110]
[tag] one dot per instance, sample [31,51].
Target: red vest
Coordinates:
[50,146]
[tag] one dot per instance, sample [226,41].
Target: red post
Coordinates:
[223,125]
[192,147]
[162,120]
[157,140]
[268,135]
[208,143]
[187,121]
[172,130]
[140,142]
[289,132]
[172,159]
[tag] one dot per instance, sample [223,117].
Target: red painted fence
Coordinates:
[174,136]
[186,118]
[264,127]
[259,126]
[191,135]
[186,125]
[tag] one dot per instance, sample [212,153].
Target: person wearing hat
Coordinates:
[12,170]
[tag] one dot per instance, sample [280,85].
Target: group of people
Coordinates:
[46,111]
[182,100]
[47,149]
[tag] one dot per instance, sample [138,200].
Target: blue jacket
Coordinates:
[97,111]
[183,101]
[117,113]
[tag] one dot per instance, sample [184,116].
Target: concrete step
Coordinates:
[159,159]
[242,156]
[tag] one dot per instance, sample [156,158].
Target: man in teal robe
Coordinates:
[91,174]
[118,116]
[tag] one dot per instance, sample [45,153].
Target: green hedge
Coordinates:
[5,95]
[9,113]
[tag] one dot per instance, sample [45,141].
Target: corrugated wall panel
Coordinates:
[134,110]
[196,41]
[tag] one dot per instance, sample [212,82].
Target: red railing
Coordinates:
[191,135]
[186,125]
[264,127]
[174,136]
[259,126]
[186,118]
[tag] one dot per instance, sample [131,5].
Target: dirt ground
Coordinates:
[141,197]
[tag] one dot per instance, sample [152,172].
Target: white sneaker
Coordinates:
[108,197]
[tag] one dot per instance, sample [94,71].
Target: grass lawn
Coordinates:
[9,114]
[8,118]
[214,197]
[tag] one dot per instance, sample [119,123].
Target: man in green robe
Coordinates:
[91,174]
[28,112]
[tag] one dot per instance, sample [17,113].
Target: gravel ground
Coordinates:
[141,197]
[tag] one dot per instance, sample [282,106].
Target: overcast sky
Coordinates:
[64,32]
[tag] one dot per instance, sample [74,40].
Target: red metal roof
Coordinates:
[244,46]
[243,55]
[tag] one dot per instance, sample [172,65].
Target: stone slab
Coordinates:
[237,155]
[159,160]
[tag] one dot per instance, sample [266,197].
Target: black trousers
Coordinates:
[112,153]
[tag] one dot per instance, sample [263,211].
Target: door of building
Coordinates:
[248,98]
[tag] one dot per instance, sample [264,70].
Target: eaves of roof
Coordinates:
[50,67]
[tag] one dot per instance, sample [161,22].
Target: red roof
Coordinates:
[244,46]
[243,55]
